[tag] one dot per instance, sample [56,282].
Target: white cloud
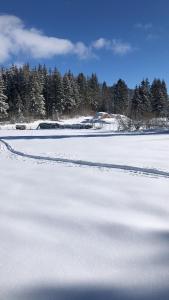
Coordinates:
[116,46]
[82,50]
[16,38]
[122,48]
[145,27]
[148,29]
[101,43]
[5,47]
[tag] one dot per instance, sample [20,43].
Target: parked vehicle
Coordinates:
[20,127]
[63,126]
[48,126]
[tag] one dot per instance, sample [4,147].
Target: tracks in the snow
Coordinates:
[133,169]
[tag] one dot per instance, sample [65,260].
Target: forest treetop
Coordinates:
[31,93]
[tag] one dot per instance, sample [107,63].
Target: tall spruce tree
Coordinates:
[165,111]
[121,97]
[69,97]
[159,98]
[19,109]
[94,93]
[145,103]
[3,100]
[57,94]
[75,89]
[136,105]
[45,75]
[37,101]
[25,81]
[106,98]
[12,89]
[83,96]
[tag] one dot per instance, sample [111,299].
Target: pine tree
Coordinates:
[121,97]
[159,98]
[75,88]
[48,93]
[136,104]
[12,87]
[56,93]
[70,101]
[44,78]
[94,93]
[3,100]
[25,78]
[165,111]
[106,98]
[19,109]
[113,98]
[34,92]
[145,95]
[82,87]
[37,101]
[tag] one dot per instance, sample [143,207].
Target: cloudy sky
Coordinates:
[127,38]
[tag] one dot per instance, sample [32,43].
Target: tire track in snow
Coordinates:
[89,135]
[132,169]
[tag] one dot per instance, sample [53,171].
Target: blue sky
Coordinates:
[126,39]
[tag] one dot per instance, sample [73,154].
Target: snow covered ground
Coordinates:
[82,232]
[101,120]
[147,151]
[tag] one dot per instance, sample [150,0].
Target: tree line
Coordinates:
[32,93]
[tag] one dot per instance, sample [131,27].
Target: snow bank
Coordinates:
[75,229]
[101,120]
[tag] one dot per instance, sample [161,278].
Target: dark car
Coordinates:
[20,127]
[48,126]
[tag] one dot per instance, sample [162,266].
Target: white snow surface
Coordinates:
[147,151]
[95,233]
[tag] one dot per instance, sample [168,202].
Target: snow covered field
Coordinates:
[147,151]
[83,232]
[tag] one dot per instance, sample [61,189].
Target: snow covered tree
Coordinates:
[3,100]
[75,89]
[56,94]
[12,89]
[24,89]
[19,109]
[45,79]
[37,101]
[68,87]
[145,94]
[40,92]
